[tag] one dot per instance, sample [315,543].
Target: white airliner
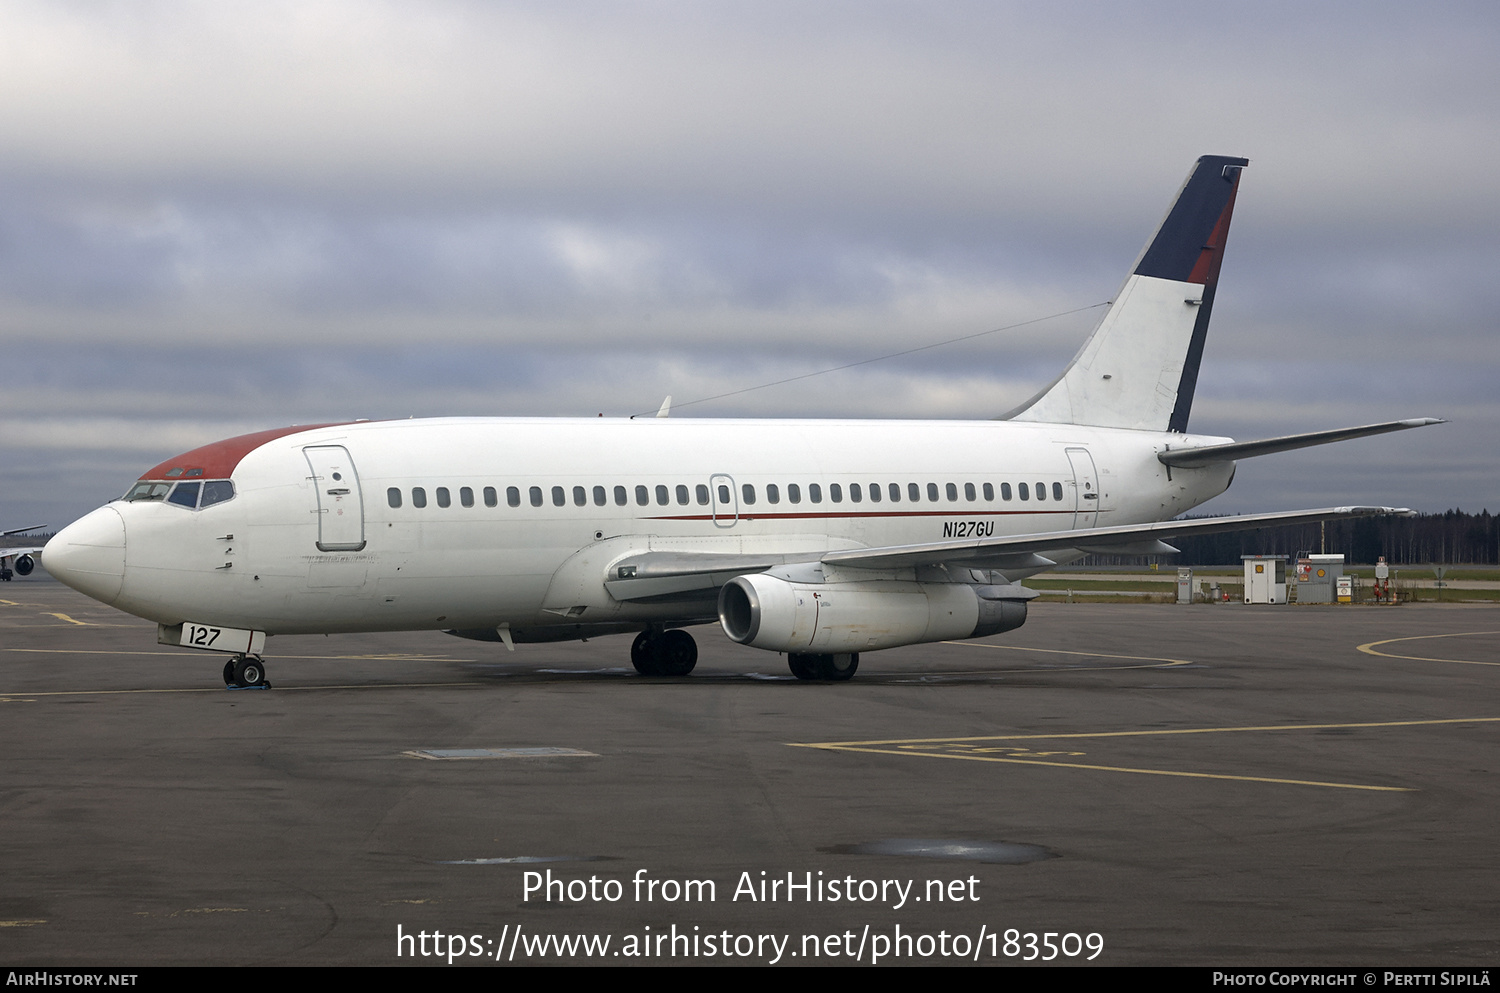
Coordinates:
[820,539]
[17,561]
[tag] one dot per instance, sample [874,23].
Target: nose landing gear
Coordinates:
[245,672]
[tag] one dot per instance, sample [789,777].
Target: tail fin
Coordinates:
[1140,366]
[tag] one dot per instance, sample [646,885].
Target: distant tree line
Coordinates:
[1450,538]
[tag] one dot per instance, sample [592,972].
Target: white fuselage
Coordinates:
[255,561]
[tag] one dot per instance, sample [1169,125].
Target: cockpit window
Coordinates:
[193,495]
[155,490]
[216,491]
[185,495]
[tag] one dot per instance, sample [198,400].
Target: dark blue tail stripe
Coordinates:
[1182,236]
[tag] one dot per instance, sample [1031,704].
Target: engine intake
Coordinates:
[763,611]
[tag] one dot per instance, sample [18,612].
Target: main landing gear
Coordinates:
[664,653]
[244,672]
[828,668]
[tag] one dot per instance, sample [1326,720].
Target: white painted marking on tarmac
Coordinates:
[1369,648]
[455,754]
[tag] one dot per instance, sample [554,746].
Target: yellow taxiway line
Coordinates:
[934,748]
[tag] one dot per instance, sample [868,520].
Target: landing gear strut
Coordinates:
[664,653]
[828,668]
[245,671]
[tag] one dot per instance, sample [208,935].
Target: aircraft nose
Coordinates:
[89,554]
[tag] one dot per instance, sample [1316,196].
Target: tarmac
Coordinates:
[1115,784]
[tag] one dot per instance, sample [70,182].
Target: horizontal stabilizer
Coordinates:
[1192,458]
[982,552]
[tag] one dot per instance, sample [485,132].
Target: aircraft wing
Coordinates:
[11,553]
[1001,551]
[681,576]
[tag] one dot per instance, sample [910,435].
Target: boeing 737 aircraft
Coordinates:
[18,561]
[820,539]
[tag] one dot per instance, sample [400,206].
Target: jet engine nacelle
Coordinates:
[781,616]
[24,565]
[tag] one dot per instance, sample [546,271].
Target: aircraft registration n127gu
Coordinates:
[820,539]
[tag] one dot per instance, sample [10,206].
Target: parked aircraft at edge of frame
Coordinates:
[18,561]
[820,539]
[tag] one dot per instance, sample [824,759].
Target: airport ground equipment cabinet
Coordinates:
[1318,577]
[1184,584]
[1265,578]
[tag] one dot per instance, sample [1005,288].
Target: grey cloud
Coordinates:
[226,215]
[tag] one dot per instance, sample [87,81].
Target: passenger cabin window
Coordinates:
[932,492]
[512,496]
[855,494]
[969,493]
[874,492]
[661,495]
[1041,491]
[492,499]
[748,492]
[989,492]
[793,493]
[682,495]
[580,497]
[621,496]
[443,500]
[1025,493]
[418,497]
[952,492]
[1005,491]
[700,493]
[723,495]
[600,497]
[773,493]
[914,492]
[642,496]
[1057,491]
[466,496]
[536,496]
[814,493]
[393,496]
[835,493]
[559,496]
[895,491]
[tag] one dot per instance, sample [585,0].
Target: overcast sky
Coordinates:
[217,218]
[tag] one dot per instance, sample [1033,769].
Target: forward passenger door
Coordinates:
[339,504]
